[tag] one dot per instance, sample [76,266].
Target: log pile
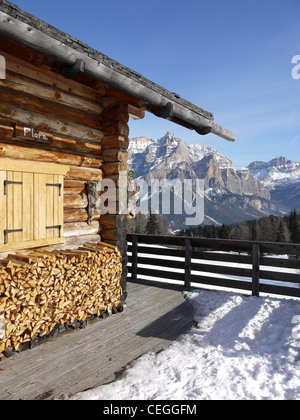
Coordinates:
[40,290]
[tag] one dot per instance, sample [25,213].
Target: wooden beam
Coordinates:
[136,113]
[72,71]
[30,166]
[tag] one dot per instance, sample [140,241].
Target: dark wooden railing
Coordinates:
[196,261]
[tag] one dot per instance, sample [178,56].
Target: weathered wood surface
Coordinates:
[92,356]
[220,244]
[85,124]
[192,264]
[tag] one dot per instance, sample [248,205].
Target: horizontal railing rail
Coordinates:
[258,267]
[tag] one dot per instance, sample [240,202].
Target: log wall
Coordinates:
[115,143]
[89,132]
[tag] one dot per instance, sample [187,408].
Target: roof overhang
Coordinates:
[77,58]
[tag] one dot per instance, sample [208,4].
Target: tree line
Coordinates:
[266,229]
[151,224]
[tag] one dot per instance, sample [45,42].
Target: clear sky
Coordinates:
[230,57]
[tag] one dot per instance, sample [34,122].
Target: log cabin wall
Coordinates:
[89,133]
[115,144]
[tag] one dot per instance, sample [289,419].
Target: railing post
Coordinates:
[255,269]
[134,258]
[188,264]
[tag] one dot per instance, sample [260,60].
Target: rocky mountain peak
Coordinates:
[230,194]
[282,177]
[276,172]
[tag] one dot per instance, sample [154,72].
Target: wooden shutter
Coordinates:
[49,206]
[13,194]
[2,207]
[31,205]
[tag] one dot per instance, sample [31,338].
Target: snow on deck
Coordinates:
[242,348]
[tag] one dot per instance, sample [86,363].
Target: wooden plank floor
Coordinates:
[93,356]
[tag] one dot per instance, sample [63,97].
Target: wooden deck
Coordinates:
[93,356]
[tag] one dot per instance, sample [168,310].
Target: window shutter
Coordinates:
[27,210]
[50,205]
[13,191]
[31,205]
[2,207]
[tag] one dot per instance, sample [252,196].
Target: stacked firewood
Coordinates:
[41,289]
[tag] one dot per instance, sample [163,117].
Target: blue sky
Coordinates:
[230,57]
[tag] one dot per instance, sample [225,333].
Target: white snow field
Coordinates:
[243,348]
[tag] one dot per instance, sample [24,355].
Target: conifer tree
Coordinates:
[280,234]
[152,226]
[253,231]
[294,227]
[224,232]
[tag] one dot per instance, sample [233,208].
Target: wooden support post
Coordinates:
[255,269]
[134,258]
[188,264]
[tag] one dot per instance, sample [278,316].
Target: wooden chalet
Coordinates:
[64,115]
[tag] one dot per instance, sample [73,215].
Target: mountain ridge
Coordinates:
[231,193]
[282,177]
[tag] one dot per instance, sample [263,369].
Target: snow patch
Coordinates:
[242,348]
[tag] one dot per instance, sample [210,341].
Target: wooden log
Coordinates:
[59,127]
[75,201]
[79,240]
[81,228]
[17,151]
[119,113]
[6,132]
[84,174]
[33,104]
[115,155]
[114,168]
[120,181]
[78,215]
[46,77]
[74,187]
[115,128]
[113,221]
[34,87]
[85,147]
[136,113]
[115,141]
[113,234]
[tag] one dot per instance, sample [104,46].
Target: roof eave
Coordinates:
[162,105]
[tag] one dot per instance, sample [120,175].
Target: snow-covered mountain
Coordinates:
[282,177]
[230,194]
[279,171]
[168,155]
